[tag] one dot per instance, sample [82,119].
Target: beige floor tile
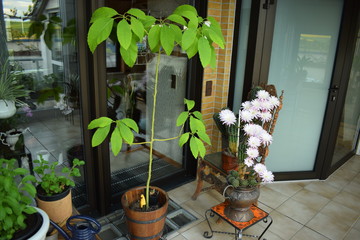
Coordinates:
[349,200]
[322,188]
[357,224]
[337,182]
[352,234]
[311,199]
[196,233]
[357,178]
[265,207]
[307,233]
[341,213]
[353,188]
[346,174]
[178,237]
[199,217]
[182,193]
[286,188]
[327,226]
[271,198]
[172,235]
[297,211]
[353,164]
[283,226]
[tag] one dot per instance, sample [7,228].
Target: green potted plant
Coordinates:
[18,219]
[10,90]
[183,28]
[54,188]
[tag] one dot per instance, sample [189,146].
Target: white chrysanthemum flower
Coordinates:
[256,103]
[262,94]
[246,105]
[253,129]
[249,162]
[266,138]
[266,105]
[267,177]
[252,153]
[246,116]
[207,23]
[260,168]
[265,116]
[254,142]
[227,117]
[274,101]
[254,112]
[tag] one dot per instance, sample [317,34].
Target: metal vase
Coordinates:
[240,201]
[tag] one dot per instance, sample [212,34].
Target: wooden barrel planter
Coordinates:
[145,225]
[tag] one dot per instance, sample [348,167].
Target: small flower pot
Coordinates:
[7,109]
[228,161]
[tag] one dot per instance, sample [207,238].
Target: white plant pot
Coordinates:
[7,109]
[41,234]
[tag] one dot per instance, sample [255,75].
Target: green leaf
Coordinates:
[49,32]
[124,34]
[203,136]
[28,178]
[198,115]
[193,49]
[130,55]
[30,210]
[196,125]
[137,13]
[100,122]
[99,31]
[30,189]
[148,22]
[36,28]
[7,183]
[188,38]
[116,141]
[20,171]
[126,133]
[154,37]
[103,12]
[216,38]
[201,147]
[204,51]
[177,19]
[177,33]
[100,135]
[167,38]
[131,124]
[189,104]
[182,118]
[137,27]
[213,58]
[55,19]
[183,8]
[193,147]
[183,139]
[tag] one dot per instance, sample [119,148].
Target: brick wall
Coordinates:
[224,12]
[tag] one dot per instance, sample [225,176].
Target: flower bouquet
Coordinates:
[249,135]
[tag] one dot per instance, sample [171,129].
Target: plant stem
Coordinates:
[152,129]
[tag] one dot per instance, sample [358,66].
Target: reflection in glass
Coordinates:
[130,94]
[348,132]
[48,67]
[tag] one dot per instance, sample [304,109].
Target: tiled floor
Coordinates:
[301,210]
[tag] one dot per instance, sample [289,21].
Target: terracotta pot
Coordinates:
[58,207]
[228,161]
[240,201]
[7,108]
[145,225]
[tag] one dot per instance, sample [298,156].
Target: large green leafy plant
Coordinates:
[185,28]
[16,195]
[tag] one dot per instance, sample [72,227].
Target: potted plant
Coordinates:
[54,188]
[254,125]
[19,220]
[10,91]
[193,34]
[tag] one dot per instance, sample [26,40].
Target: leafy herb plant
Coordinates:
[53,182]
[16,194]
[184,28]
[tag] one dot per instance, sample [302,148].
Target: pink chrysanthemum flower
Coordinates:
[274,101]
[267,177]
[265,116]
[266,138]
[256,103]
[260,168]
[246,116]
[254,142]
[227,117]
[249,162]
[246,105]
[262,94]
[252,153]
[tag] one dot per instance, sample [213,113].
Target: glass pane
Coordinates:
[130,94]
[50,118]
[302,58]
[350,121]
